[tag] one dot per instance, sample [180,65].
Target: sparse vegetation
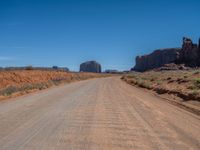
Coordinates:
[194,93]
[197,82]
[185,84]
[8,91]
[25,88]
[143,84]
[25,81]
[197,72]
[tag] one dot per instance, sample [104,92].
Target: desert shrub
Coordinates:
[144,84]
[27,87]
[179,79]
[158,82]
[197,82]
[41,86]
[197,72]
[194,92]
[145,78]
[57,81]
[191,87]
[9,90]
[152,80]
[169,78]
[123,77]
[130,76]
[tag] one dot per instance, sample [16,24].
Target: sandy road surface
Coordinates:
[97,114]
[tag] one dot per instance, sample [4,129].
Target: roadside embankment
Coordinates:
[20,82]
[180,87]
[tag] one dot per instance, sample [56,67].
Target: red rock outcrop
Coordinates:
[156,59]
[189,55]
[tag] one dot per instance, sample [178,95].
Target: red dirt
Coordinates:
[20,78]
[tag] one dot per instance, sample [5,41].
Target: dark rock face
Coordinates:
[90,66]
[156,59]
[189,55]
[199,44]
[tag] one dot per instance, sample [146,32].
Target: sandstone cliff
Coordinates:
[156,59]
[189,55]
[90,66]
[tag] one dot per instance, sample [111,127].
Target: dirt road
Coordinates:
[97,114]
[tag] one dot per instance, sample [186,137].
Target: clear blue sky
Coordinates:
[112,32]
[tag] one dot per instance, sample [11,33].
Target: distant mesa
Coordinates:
[90,66]
[188,54]
[111,71]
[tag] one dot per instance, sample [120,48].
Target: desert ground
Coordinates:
[19,82]
[179,86]
[96,114]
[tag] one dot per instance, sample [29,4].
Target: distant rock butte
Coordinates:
[90,66]
[189,55]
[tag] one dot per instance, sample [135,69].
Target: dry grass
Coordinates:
[184,84]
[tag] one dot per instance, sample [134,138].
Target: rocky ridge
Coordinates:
[188,54]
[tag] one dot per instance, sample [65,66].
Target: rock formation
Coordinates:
[189,55]
[156,59]
[90,66]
